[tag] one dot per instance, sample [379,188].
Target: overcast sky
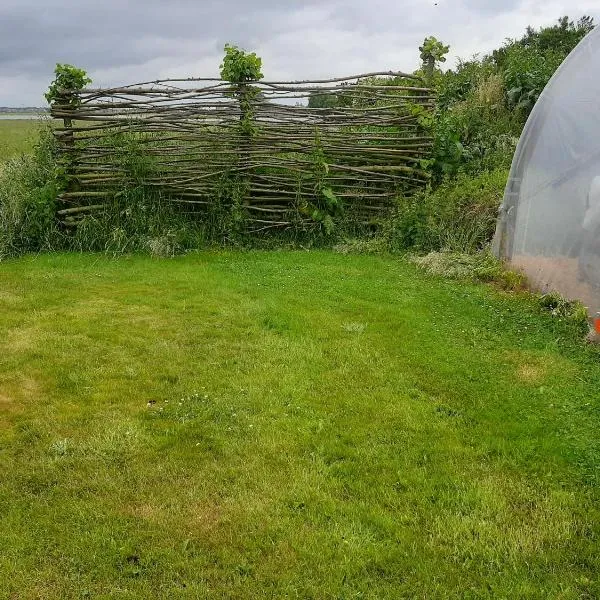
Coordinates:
[126,41]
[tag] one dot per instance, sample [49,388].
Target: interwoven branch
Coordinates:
[198,132]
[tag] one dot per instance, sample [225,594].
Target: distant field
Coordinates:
[16,136]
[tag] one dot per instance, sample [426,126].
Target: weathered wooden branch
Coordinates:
[193,136]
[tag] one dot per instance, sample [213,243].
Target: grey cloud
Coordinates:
[112,33]
[492,7]
[122,41]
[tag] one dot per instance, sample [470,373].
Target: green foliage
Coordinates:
[247,96]
[483,103]
[138,218]
[478,133]
[526,73]
[448,150]
[561,308]
[459,215]
[432,48]
[559,38]
[565,35]
[28,191]
[325,205]
[527,65]
[66,78]
[239,66]
[432,51]
[456,85]
[474,128]
[482,106]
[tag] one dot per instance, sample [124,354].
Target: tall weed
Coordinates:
[28,192]
[459,215]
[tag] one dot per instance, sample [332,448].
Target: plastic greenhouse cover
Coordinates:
[549,223]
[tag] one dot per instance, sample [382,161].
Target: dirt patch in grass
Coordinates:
[22,339]
[146,511]
[535,369]
[206,517]
[8,297]
[9,409]
[531,373]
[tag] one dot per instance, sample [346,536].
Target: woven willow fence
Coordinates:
[256,148]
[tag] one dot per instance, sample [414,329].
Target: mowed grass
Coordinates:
[289,425]
[17,136]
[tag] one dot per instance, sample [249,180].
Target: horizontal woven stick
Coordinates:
[218,81]
[365,151]
[79,209]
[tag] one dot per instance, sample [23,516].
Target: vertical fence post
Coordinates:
[70,100]
[62,108]
[245,120]
[246,100]
[429,70]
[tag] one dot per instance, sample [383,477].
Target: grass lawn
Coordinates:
[17,136]
[289,425]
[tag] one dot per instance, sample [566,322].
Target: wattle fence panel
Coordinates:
[257,149]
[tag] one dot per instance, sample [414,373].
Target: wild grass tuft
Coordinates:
[481,266]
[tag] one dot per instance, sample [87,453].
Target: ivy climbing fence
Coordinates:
[254,149]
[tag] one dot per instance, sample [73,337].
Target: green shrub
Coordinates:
[571,310]
[28,191]
[456,85]
[528,64]
[478,133]
[459,215]
[483,103]
[526,73]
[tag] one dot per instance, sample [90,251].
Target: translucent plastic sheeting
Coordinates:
[549,222]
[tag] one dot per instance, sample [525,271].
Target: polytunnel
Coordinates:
[549,222]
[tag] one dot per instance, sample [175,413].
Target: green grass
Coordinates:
[320,426]
[17,136]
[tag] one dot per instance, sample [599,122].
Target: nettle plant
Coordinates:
[326,204]
[67,78]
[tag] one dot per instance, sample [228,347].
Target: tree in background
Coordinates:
[317,100]
[484,102]
[527,64]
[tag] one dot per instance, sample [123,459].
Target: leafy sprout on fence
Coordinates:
[67,79]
